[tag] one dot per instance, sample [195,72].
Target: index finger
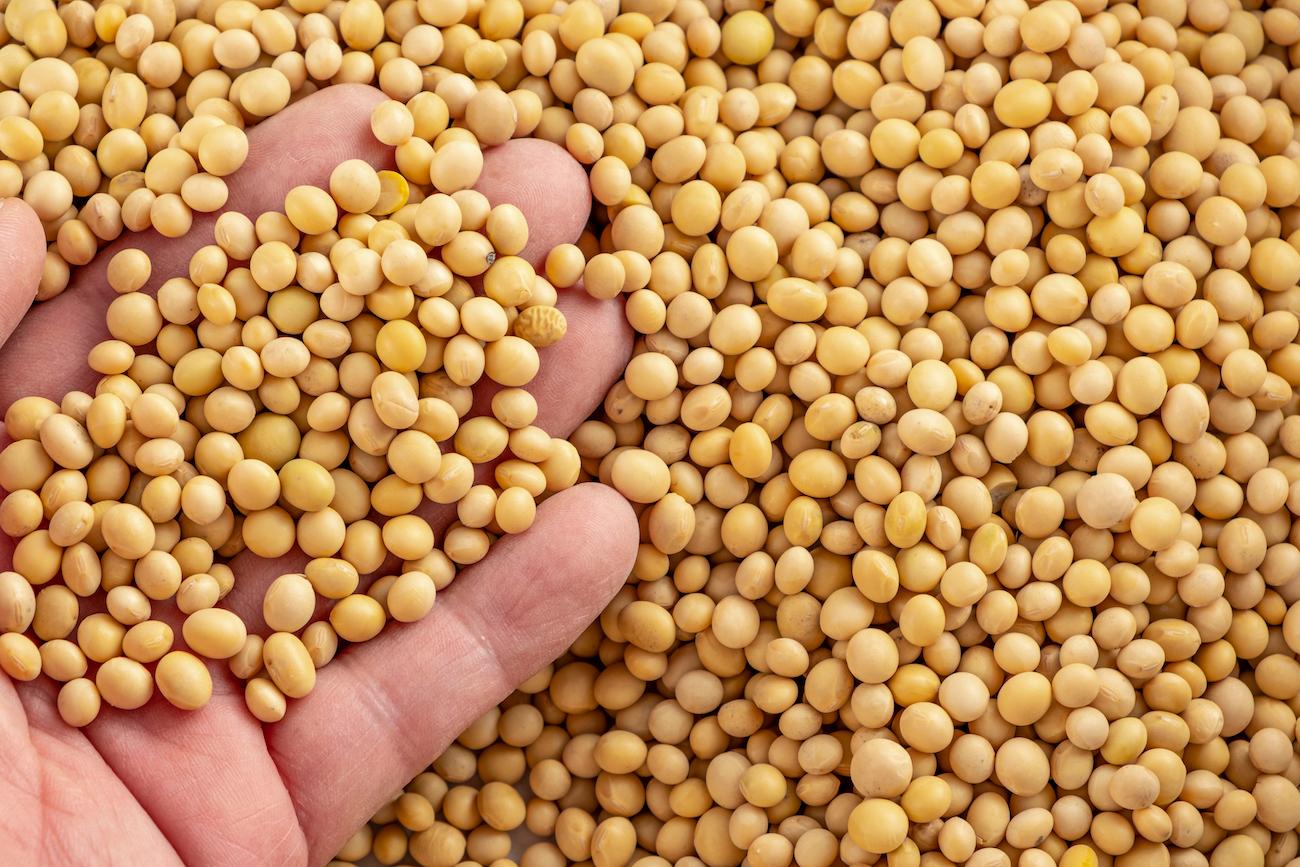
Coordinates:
[22,254]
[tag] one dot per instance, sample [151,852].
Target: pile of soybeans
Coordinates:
[961,421]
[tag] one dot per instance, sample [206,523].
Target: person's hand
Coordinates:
[158,785]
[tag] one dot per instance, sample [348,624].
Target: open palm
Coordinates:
[158,785]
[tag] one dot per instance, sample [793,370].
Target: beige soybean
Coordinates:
[124,683]
[289,603]
[79,702]
[183,680]
[214,632]
[288,664]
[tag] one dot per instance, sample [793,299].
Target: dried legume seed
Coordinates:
[183,680]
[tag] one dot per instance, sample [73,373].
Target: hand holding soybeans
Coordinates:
[160,783]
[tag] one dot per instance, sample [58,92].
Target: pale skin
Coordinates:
[161,786]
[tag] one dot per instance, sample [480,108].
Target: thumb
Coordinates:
[383,710]
[22,257]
